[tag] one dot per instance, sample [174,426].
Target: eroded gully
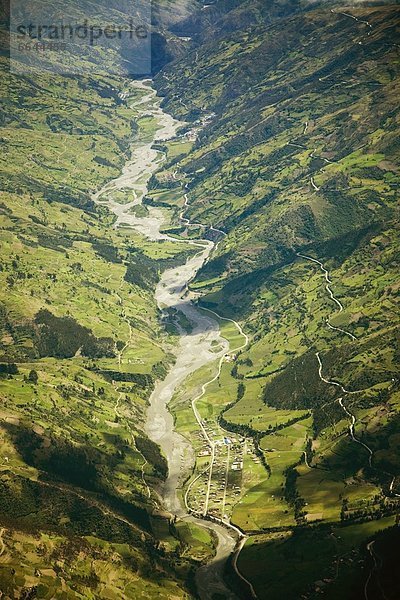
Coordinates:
[194,350]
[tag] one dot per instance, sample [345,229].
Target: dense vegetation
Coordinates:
[81,346]
[299,155]
[290,146]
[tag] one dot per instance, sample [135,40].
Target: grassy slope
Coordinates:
[263,101]
[73,500]
[331,90]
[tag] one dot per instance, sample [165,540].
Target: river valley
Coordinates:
[203,345]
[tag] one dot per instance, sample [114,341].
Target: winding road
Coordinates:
[320,365]
[353,421]
[346,392]
[2,544]
[370,548]
[330,292]
[349,414]
[352,434]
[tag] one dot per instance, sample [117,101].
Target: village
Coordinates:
[217,496]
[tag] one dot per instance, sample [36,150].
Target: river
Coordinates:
[193,351]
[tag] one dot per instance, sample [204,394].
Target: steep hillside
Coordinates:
[222,17]
[295,159]
[168,40]
[255,157]
[219,18]
[81,346]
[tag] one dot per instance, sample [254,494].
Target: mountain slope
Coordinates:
[81,346]
[254,158]
[295,158]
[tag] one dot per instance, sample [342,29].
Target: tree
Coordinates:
[33,376]
[9,368]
